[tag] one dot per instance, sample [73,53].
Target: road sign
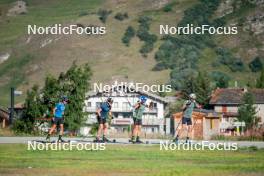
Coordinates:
[18,92]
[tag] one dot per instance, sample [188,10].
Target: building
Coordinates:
[205,124]
[153,119]
[4,117]
[227,101]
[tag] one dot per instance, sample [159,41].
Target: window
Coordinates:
[153,130]
[115,105]
[89,104]
[125,106]
[98,104]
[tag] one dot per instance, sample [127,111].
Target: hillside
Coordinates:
[31,57]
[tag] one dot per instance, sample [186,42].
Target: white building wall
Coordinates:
[151,118]
[260,112]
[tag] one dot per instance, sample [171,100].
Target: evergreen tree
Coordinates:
[200,85]
[202,88]
[260,80]
[222,82]
[247,111]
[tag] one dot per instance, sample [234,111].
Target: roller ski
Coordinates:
[97,140]
[47,140]
[135,141]
[188,141]
[176,140]
[60,140]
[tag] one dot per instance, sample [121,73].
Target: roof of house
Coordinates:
[234,96]
[4,113]
[200,113]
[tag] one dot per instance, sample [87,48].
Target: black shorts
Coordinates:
[137,121]
[187,121]
[57,121]
[101,120]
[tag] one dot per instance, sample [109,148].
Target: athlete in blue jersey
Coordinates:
[103,115]
[58,112]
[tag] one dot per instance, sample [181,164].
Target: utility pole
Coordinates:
[12,96]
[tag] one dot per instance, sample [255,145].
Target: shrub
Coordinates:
[21,126]
[168,8]
[129,34]
[226,57]
[146,48]
[256,65]
[121,16]
[221,79]
[144,35]
[103,14]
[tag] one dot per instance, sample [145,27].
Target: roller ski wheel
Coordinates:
[106,140]
[63,141]
[188,141]
[97,140]
[175,140]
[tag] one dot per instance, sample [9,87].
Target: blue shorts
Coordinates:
[187,121]
[101,120]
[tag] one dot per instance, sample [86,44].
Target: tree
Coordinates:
[121,16]
[200,85]
[51,90]
[103,14]
[247,111]
[33,109]
[260,80]
[129,34]
[256,65]
[202,88]
[221,79]
[75,83]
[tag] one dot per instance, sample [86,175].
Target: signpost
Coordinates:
[12,104]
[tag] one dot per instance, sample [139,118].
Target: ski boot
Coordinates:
[97,139]
[187,140]
[132,139]
[48,138]
[138,141]
[60,139]
[105,139]
[176,140]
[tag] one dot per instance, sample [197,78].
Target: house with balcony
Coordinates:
[227,101]
[153,120]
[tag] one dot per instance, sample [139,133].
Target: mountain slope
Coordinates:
[33,57]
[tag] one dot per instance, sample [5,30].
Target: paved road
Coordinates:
[24,140]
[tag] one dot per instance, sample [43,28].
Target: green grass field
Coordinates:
[134,160]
